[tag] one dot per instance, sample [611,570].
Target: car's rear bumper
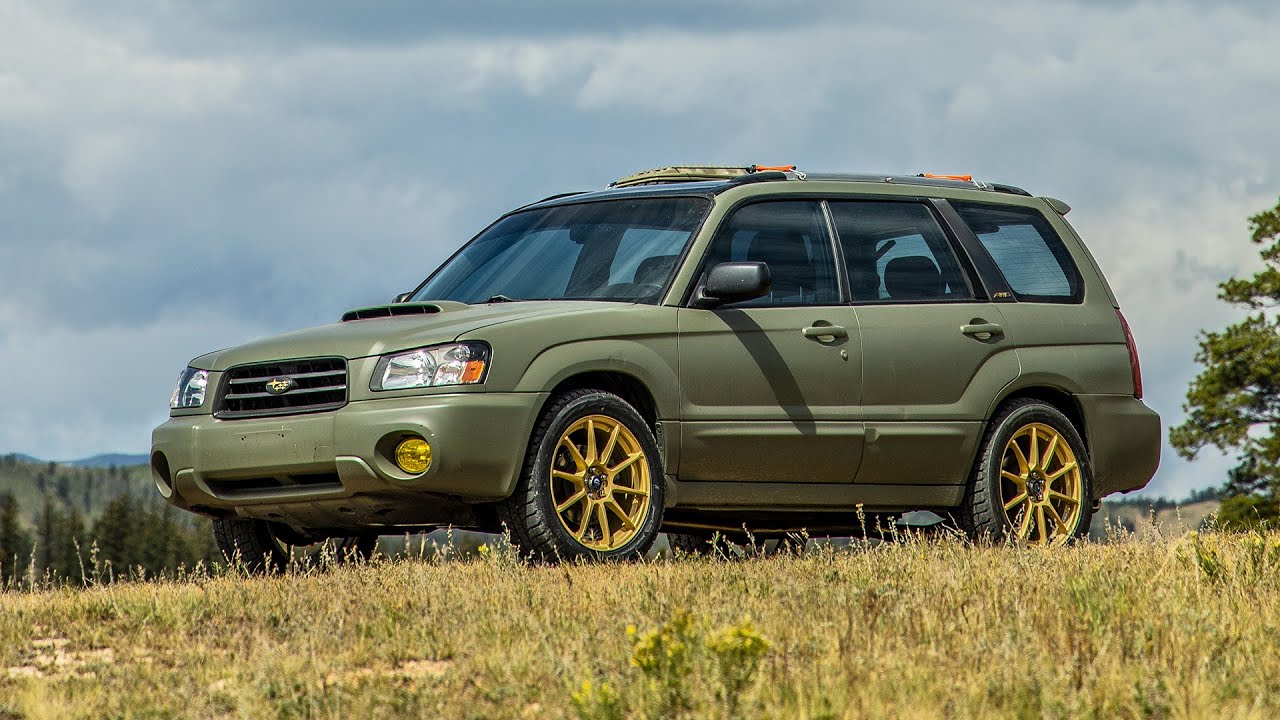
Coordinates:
[1124,442]
[336,468]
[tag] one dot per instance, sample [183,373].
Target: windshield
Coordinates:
[624,250]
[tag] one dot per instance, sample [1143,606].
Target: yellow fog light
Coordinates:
[413,455]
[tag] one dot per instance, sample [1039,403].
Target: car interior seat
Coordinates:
[654,270]
[794,279]
[914,277]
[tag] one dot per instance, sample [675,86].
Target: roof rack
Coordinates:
[741,174]
[699,173]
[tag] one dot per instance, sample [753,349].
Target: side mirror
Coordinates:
[733,282]
[402,297]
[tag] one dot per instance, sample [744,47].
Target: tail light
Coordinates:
[1133,355]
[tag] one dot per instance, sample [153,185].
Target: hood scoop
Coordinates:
[396,310]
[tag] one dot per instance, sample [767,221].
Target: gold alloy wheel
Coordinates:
[600,483]
[1040,485]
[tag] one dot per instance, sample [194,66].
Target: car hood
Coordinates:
[376,331]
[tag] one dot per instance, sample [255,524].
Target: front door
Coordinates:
[771,386]
[935,352]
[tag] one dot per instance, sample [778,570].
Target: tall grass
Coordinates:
[1186,627]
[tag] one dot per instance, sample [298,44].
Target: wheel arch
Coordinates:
[1054,396]
[624,385]
[643,373]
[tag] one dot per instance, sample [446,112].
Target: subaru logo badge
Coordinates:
[280,385]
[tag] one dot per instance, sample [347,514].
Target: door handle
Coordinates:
[981,328]
[821,331]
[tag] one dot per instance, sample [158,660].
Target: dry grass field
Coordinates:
[1180,628]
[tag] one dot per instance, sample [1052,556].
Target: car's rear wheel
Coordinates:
[1032,481]
[592,482]
[259,546]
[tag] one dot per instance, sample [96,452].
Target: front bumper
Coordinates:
[335,468]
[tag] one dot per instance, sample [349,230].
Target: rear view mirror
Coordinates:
[402,297]
[733,282]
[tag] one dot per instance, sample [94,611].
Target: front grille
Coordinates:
[313,385]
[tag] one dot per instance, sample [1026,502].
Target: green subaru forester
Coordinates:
[692,350]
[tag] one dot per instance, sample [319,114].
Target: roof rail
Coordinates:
[1010,189]
[548,198]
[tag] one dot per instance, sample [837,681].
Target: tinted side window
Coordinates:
[791,238]
[1025,247]
[896,252]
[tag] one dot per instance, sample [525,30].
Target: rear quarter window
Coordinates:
[1027,251]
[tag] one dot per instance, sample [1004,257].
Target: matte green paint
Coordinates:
[752,414]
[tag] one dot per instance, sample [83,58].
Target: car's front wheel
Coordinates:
[592,484]
[259,546]
[1032,481]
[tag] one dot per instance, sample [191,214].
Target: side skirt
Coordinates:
[797,497]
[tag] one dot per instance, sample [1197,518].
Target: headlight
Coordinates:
[456,364]
[189,392]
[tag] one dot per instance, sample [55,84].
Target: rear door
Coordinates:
[935,350]
[767,396]
[1062,340]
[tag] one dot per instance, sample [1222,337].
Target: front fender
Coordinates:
[652,363]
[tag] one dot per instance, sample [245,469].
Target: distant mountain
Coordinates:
[86,488]
[97,461]
[109,459]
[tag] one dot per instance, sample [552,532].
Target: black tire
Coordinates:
[256,546]
[529,514]
[982,515]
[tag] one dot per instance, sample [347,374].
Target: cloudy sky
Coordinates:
[180,177]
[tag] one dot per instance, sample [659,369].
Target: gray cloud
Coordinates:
[174,178]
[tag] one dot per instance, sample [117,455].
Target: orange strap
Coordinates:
[961,178]
[765,168]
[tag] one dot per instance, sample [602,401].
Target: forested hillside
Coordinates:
[83,523]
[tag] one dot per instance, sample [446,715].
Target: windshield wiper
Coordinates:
[499,299]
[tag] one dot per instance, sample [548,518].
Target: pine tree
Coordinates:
[72,545]
[1234,403]
[50,528]
[15,541]
[112,530]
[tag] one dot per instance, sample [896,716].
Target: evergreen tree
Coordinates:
[1234,403]
[112,533]
[72,546]
[1249,498]
[15,541]
[50,529]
